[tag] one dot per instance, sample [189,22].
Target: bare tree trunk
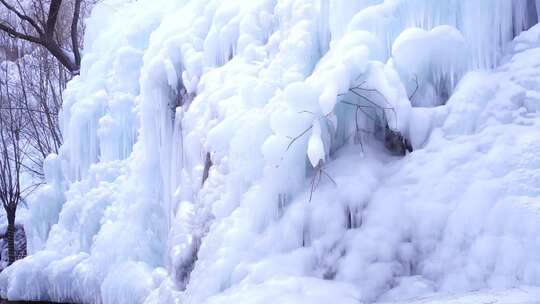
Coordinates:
[11,236]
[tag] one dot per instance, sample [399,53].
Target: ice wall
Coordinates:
[214,154]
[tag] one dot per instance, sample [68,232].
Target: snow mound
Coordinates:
[509,296]
[434,59]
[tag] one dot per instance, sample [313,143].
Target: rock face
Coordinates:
[20,245]
[395,142]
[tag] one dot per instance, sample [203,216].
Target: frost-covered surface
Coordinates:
[257,92]
[510,296]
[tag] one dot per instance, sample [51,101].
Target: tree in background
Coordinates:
[39,54]
[40,27]
[41,38]
[36,82]
[12,151]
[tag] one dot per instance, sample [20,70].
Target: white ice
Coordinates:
[214,154]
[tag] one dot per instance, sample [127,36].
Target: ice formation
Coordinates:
[226,151]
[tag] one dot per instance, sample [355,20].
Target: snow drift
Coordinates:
[230,152]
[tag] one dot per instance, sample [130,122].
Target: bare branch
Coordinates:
[23,17]
[15,34]
[46,37]
[316,179]
[370,101]
[74,32]
[415,89]
[52,17]
[298,137]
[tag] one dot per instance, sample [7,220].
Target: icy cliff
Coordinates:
[233,151]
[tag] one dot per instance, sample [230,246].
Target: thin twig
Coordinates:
[317,177]
[298,137]
[415,89]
